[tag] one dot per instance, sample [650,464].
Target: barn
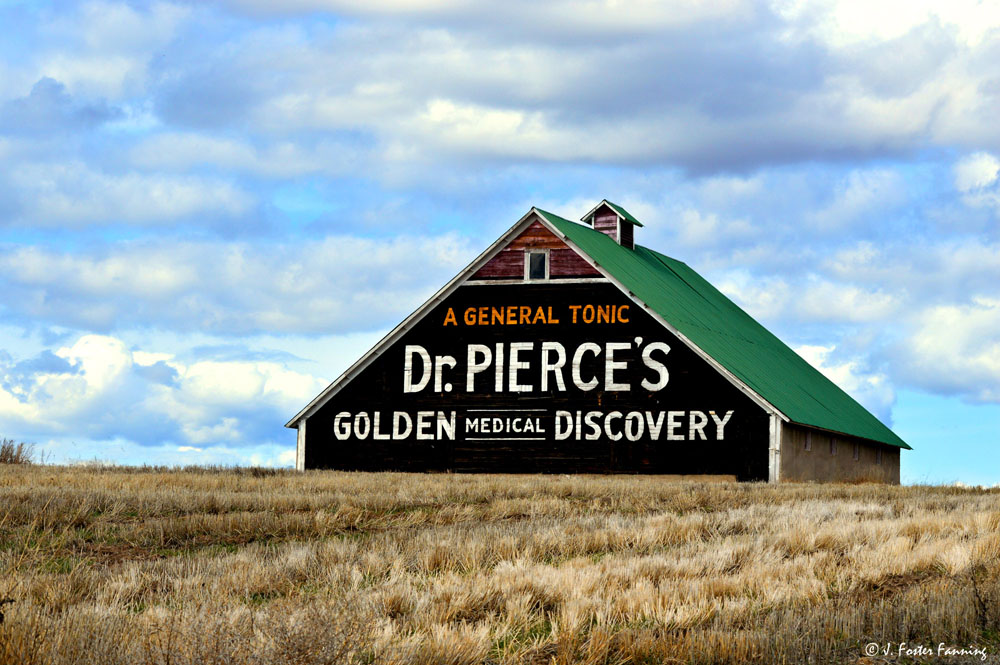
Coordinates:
[567,348]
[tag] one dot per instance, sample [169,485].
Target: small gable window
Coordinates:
[536,265]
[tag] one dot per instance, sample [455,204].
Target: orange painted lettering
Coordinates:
[450,318]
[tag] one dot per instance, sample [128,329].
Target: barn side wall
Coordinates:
[820,464]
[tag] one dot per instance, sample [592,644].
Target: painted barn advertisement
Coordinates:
[548,376]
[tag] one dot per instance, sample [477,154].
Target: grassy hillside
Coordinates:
[209,566]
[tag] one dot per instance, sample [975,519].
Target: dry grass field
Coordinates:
[116,565]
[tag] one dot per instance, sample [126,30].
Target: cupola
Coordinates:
[614,221]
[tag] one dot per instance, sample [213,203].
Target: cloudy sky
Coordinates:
[209,210]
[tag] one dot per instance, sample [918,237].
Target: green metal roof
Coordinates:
[717,326]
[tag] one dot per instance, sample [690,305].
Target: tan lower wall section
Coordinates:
[818,461]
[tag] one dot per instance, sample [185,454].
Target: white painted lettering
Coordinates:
[397,418]
[440,362]
[408,385]
[696,425]
[474,366]
[376,433]
[610,365]
[362,425]
[578,359]
[661,370]
[634,426]
[614,415]
[563,434]
[341,429]
[516,364]
[554,368]
[672,424]
[424,424]
[654,425]
[499,368]
[720,424]
[445,426]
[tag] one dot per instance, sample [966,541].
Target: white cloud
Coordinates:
[809,299]
[102,393]
[843,24]
[332,284]
[976,178]
[104,48]
[976,171]
[176,151]
[874,390]
[697,229]
[106,75]
[956,349]
[99,365]
[841,303]
[765,299]
[860,193]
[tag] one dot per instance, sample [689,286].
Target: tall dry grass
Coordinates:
[13,452]
[213,566]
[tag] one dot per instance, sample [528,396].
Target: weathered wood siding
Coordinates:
[466,419]
[509,262]
[811,454]
[606,221]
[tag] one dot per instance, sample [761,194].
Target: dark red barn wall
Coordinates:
[606,221]
[509,263]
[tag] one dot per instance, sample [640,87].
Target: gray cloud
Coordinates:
[756,89]
[50,108]
[206,95]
